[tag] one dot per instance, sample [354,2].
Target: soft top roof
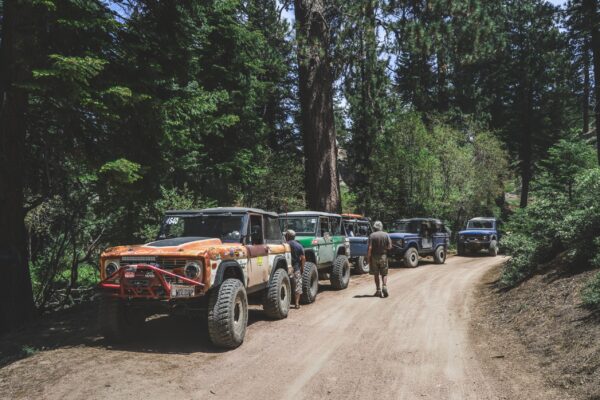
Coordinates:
[309,214]
[220,210]
[483,219]
[434,220]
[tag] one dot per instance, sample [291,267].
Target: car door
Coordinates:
[258,260]
[325,241]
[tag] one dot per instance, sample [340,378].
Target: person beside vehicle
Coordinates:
[298,260]
[379,244]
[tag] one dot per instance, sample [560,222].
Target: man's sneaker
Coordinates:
[385,292]
[377,293]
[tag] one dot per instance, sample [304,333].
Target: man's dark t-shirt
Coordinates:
[380,242]
[297,251]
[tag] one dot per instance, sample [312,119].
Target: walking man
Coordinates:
[298,260]
[379,244]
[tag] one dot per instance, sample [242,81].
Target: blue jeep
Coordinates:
[419,237]
[358,229]
[480,234]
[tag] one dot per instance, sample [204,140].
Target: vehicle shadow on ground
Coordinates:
[78,327]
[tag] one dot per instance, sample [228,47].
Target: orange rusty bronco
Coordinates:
[204,262]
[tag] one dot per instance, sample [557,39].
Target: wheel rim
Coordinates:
[413,258]
[283,293]
[365,264]
[314,284]
[237,311]
[442,255]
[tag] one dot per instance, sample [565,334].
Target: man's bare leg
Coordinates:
[385,291]
[377,284]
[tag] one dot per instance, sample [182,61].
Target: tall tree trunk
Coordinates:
[526,148]
[16,299]
[316,106]
[591,10]
[586,88]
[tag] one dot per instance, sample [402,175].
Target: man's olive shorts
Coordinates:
[379,265]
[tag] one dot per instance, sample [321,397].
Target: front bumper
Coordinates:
[144,281]
[475,244]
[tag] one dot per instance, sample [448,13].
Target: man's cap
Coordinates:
[290,233]
[378,225]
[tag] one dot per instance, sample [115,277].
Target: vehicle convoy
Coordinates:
[480,234]
[358,228]
[325,246]
[419,237]
[204,262]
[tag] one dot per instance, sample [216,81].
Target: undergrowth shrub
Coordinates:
[559,219]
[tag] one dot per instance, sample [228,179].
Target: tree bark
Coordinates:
[16,298]
[316,106]
[591,10]
[586,88]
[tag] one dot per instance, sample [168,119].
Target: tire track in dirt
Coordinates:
[414,344]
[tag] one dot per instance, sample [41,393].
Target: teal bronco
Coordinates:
[326,248]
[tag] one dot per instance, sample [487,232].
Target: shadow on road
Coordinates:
[77,326]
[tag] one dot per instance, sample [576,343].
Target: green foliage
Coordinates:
[121,170]
[590,294]
[440,171]
[556,222]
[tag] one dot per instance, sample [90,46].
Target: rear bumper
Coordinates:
[147,282]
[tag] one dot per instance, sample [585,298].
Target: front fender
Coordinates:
[232,267]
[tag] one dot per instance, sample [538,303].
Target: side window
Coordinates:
[336,226]
[255,230]
[272,230]
[324,226]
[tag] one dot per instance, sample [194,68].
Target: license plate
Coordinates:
[182,291]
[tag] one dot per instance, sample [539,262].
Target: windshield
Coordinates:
[480,225]
[402,227]
[224,227]
[303,226]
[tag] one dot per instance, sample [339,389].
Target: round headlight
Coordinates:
[111,268]
[485,237]
[192,270]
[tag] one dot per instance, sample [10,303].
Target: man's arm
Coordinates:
[302,262]
[389,247]
[369,253]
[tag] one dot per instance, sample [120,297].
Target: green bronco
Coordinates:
[326,248]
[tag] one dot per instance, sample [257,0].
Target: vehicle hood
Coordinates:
[402,235]
[177,247]
[305,241]
[477,232]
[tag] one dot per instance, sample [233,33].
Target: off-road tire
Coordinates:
[493,249]
[278,295]
[361,266]
[340,272]
[460,250]
[439,255]
[310,283]
[411,258]
[228,314]
[117,322]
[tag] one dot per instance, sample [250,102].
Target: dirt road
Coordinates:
[348,345]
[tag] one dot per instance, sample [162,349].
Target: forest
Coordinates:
[112,112]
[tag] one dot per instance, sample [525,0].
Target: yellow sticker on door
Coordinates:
[259,261]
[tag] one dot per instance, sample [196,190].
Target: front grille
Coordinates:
[160,262]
